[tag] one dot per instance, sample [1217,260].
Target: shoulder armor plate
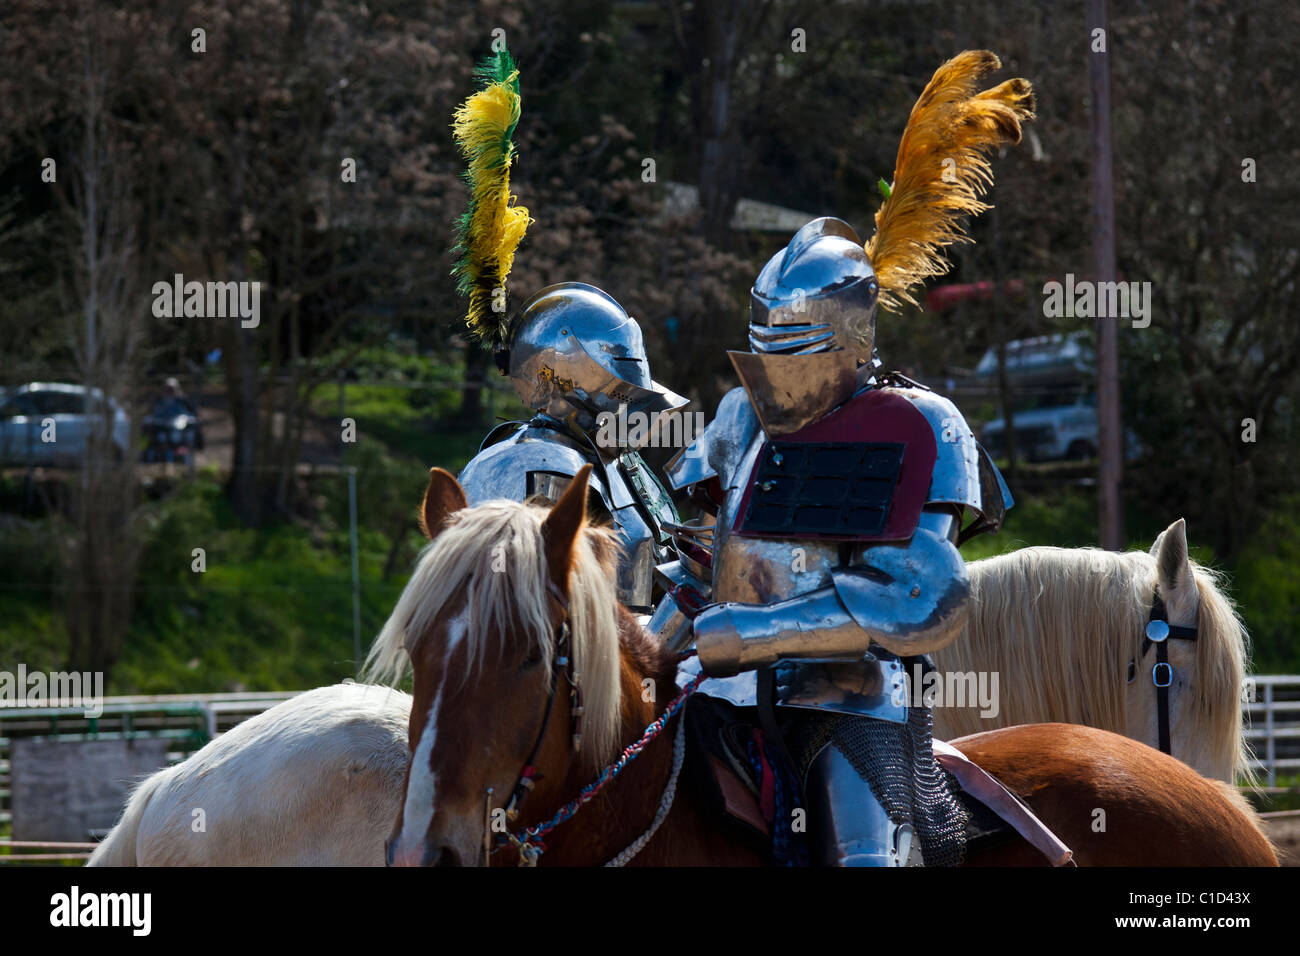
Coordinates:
[964,474]
[718,450]
[956,478]
[504,470]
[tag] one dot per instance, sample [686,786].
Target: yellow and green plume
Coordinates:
[491,228]
[942,171]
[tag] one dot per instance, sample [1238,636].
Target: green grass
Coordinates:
[413,419]
[1282,799]
[1267,587]
[1064,519]
[410,424]
[273,609]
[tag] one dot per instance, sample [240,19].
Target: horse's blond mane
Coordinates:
[1222,659]
[1022,604]
[493,553]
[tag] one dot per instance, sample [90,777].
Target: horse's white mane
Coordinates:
[1023,602]
[494,554]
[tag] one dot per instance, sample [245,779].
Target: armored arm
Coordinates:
[910,599]
[687,581]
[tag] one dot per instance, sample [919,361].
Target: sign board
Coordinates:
[63,789]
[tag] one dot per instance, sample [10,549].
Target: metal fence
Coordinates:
[188,721]
[1273,713]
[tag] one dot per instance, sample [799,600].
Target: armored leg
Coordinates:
[847,824]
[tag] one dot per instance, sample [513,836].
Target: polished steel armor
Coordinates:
[812,327]
[882,566]
[855,829]
[779,599]
[577,356]
[817,294]
[576,353]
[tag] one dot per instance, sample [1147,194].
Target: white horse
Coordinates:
[318,779]
[1061,627]
[313,781]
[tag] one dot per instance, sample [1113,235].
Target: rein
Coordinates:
[1157,632]
[529,840]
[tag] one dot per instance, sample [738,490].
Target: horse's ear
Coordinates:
[562,526]
[1173,566]
[443,497]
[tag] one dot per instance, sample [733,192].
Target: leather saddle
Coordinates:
[719,747]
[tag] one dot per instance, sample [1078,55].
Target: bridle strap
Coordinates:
[1158,613]
[561,660]
[1162,696]
[1158,632]
[529,775]
[529,841]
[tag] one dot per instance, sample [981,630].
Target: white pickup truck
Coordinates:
[1048,434]
[1054,433]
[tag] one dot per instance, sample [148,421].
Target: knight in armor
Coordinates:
[572,352]
[841,494]
[578,359]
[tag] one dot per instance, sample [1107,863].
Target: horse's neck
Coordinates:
[627,806]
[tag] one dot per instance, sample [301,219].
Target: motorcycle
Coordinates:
[173,436]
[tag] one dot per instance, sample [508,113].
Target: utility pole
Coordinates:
[1111,463]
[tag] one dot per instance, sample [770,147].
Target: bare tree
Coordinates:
[99,543]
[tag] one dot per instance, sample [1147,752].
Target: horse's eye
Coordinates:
[531,661]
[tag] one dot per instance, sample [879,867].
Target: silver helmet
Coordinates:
[817,294]
[576,353]
[812,326]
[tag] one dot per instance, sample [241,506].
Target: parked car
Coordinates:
[1045,359]
[1047,434]
[74,411]
[1053,433]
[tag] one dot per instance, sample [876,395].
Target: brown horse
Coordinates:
[511,612]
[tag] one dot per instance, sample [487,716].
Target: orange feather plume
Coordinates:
[942,171]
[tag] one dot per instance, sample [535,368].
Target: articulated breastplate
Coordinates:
[751,569]
[765,570]
[807,504]
[798,504]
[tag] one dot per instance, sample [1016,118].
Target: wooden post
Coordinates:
[1111,463]
[356,567]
